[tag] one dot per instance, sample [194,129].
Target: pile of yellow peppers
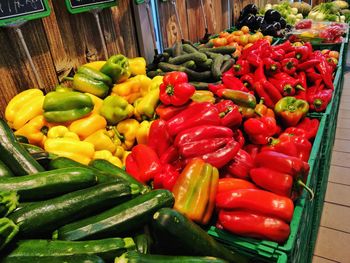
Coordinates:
[92,136]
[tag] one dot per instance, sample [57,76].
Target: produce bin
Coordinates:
[301,223]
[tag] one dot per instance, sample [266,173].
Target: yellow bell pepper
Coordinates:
[95,64]
[102,141]
[119,152]
[127,130]
[76,150]
[142,132]
[133,88]
[137,66]
[145,107]
[61,131]
[35,130]
[24,107]
[88,125]
[97,103]
[126,153]
[156,81]
[107,155]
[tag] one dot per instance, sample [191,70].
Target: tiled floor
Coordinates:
[333,242]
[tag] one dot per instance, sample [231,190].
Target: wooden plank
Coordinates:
[195,20]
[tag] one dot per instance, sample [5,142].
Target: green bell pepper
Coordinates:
[115,109]
[66,106]
[117,67]
[291,110]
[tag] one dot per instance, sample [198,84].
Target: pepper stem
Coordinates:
[317,103]
[309,190]
[119,136]
[288,89]
[68,78]
[299,87]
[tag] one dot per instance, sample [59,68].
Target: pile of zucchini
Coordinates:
[201,63]
[71,212]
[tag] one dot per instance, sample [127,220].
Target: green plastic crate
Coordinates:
[301,223]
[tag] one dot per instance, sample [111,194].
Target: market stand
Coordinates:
[305,222]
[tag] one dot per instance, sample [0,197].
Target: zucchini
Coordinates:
[167,67]
[54,259]
[198,76]
[206,64]
[32,148]
[21,139]
[221,50]
[102,177]
[216,66]
[189,64]
[120,219]
[4,170]
[136,257]
[41,218]
[143,241]
[154,73]
[14,155]
[109,168]
[8,230]
[8,202]
[32,250]
[197,57]
[177,229]
[48,184]
[189,48]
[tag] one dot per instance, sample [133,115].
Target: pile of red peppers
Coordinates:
[245,161]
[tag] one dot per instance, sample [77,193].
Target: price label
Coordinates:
[79,6]
[15,11]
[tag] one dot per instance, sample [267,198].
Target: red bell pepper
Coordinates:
[240,165]
[319,100]
[271,65]
[170,155]
[261,110]
[158,138]
[289,65]
[282,163]
[220,157]
[239,137]
[285,46]
[259,201]
[291,110]
[260,130]
[201,133]
[290,144]
[310,126]
[248,80]
[324,69]
[241,67]
[143,163]
[166,178]
[231,82]
[229,113]
[302,53]
[296,132]
[229,184]
[215,87]
[169,111]
[175,89]
[278,54]
[273,181]
[255,225]
[252,149]
[284,86]
[196,114]
[307,64]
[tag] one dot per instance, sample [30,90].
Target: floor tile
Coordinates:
[336,217]
[344,114]
[317,259]
[343,123]
[341,159]
[345,98]
[342,133]
[331,243]
[338,194]
[339,174]
[345,105]
[342,145]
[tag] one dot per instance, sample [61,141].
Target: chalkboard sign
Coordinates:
[78,6]
[14,11]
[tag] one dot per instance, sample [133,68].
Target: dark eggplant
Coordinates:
[244,21]
[289,27]
[248,9]
[259,21]
[269,30]
[283,23]
[277,25]
[272,16]
[251,23]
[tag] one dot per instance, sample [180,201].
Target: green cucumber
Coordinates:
[32,148]
[120,219]
[154,73]
[221,50]
[198,76]
[8,230]
[33,250]
[206,64]
[189,48]
[8,202]
[168,67]
[54,259]
[43,217]
[48,184]
[109,168]
[198,57]
[21,139]
[227,65]
[4,170]
[136,257]
[14,155]
[102,177]
[216,66]
[177,229]
[189,64]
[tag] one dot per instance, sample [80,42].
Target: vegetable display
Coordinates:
[128,162]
